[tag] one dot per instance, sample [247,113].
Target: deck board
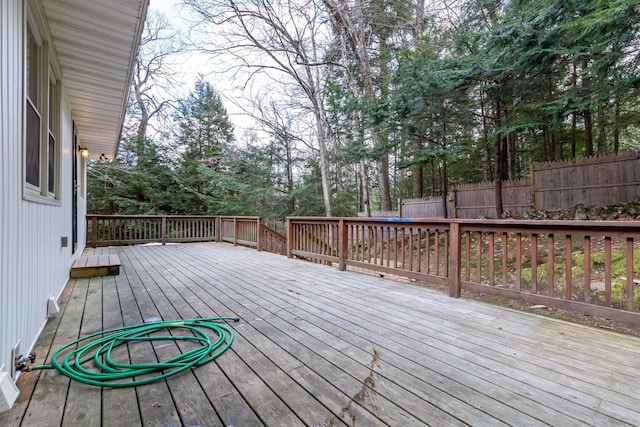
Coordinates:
[119,406]
[316,346]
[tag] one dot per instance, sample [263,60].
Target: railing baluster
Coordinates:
[446,253]
[389,238]
[94,231]
[550,264]
[419,261]
[492,236]
[403,252]
[629,259]
[411,248]
[534,262]
[568,277]
[437,251]
[428,251]
[607,271]
[518,261]
[479,238]
[587,269]
[467,255]
[454,279]
[395,247]
[505,258]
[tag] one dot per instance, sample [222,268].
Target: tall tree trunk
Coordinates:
[552,144]
[574,116]
[498,181]
[417,170]
[324,162]
[574,130]
[511,144]
[444,188]
[545,143]
[504,160]
[504,148]
[488,173]
[384,184]
[349,20]
[383,172]
[433,177]
[417,175]
[588,133]
[602,131]
[365,187]
[498,164]
[586,114]
[290,182]
[616,128]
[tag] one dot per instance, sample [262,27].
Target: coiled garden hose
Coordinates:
[109,373]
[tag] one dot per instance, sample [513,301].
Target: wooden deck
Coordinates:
[320,347]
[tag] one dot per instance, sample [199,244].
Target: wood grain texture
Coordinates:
[318,346]
[96,266]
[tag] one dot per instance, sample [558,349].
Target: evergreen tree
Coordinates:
[204,136]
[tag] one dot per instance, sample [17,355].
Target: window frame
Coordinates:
[47,106]
[32,38]
[53,131]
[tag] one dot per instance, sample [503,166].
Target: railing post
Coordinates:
[342,245]
[259,236]
[164,230]
[94,231]
[235,231]
[289,239]
[454,259]
[218,228]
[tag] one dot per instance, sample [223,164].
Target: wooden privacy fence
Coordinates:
[556,185]
[105,230]
[584,266]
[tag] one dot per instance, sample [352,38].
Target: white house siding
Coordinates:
[33,265]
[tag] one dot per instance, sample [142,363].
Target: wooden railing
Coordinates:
[272,241]
[591,267]
[106,230]
[584,266]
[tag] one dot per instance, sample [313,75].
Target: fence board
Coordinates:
[556,185]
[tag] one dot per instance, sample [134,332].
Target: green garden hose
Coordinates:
[109,373]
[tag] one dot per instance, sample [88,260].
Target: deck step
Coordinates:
[96,266]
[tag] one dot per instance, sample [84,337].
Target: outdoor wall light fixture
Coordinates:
[84,152]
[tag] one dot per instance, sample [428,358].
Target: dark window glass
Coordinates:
[33,146]
[52,164]
[33,68]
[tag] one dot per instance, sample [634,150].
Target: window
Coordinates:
[54,130]
[33,110]
[42,118]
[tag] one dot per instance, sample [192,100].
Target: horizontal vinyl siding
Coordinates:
[33,265]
